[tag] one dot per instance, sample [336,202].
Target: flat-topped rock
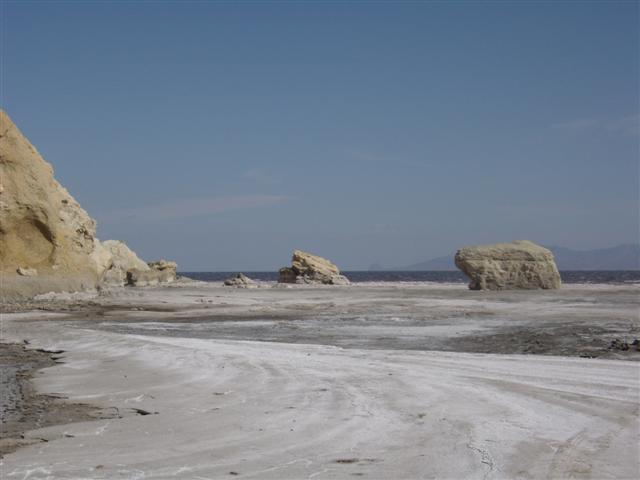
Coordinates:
[309,268]
[160,271]
[144,278]
[502,266]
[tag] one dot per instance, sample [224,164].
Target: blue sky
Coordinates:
[225,134]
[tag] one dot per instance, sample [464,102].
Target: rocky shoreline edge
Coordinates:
[23,409]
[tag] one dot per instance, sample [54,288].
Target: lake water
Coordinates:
[606,277]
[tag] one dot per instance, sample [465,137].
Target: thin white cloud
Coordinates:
[578,124]
[192,207]
[369,157]
[365,155]
[626,125]
[261,176]
[629,125]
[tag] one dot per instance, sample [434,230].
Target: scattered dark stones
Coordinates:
[568,339]
[140,411]
[21,408]
[55,352]
[619,344]
[346,461]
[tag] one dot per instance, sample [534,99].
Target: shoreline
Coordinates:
[127,353]
[23,409]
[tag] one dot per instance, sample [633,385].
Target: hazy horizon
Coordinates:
[224,136]
[411,267]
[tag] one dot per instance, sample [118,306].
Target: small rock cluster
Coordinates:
[121,266]
[240,280]
[618,344]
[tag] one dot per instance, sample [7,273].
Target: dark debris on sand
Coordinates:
[585,341]
[21,408]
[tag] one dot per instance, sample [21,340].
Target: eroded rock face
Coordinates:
[502,266]
[161,271]
[122,259]
[240,280]
[101,258]
[163,265]
[309,268]
[287,275]
[42,227]
[140,278]
[47,241]
[166,270]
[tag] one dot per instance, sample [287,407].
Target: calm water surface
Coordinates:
[604,276]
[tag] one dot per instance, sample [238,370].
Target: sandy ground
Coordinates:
[22,408]
[368,381]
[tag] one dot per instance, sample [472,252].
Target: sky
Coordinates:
[223,135]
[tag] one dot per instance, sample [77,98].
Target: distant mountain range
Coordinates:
[622,257]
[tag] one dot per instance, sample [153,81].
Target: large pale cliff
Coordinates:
[47,240]
[42,227]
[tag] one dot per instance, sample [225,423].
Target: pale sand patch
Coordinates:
[283,410]
[273,410]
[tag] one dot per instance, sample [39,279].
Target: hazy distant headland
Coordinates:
[621,257]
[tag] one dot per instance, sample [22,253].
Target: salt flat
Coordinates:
[230,406]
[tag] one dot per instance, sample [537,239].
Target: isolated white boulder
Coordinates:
[501,266]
